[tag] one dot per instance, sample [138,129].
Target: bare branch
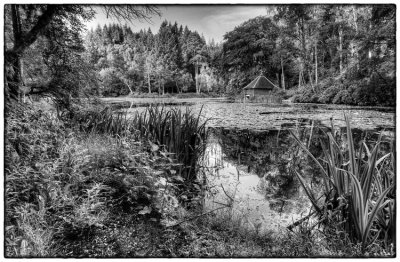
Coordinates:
[131,12]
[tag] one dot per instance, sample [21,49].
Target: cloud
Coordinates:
[227,19]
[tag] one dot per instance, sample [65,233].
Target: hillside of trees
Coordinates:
[129,62]
[322,53]
[342,54]
[317,53]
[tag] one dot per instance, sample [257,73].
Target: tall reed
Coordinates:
[181,132]
[101,121]
[358,188]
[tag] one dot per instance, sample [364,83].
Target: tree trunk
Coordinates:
[14,78]
[300,76]
[159,85]
[130,89]
[340,49]
[283,75]
[196,76]
[278,79]
[354,45]
[21,42]
[316,64]
[29,38]
[148,82]
[311,80]
[177,86]
[303,47]
[301,30]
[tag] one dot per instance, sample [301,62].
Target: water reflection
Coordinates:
[254,171]
[259,202]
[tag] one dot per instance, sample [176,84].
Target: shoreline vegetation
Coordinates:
[190,98]
[92,183]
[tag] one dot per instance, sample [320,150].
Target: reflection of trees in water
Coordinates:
[274,155]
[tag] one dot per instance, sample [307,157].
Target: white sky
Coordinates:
[213,21]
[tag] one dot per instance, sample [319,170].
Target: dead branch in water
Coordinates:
[298,222]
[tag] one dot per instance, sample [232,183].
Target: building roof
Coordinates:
[261,82]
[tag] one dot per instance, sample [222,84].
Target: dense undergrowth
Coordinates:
[92,183]
[65,178]
[371,91]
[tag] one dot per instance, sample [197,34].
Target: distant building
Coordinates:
[259,86]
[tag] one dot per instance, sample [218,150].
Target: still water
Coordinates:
[254,172]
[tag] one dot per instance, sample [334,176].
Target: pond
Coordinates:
[251,158]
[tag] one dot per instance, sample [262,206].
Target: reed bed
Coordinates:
[359,189]
[181,132]
[101,120]
[177,131]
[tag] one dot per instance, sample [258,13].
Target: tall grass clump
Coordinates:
[101,120]
[181,132]
[359,190]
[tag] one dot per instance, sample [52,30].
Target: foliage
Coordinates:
[359,185]
[61,184]
[112,84]
[161,62]
[343,97]
[321,49]
[179,132]
[100,120]
[329,93]
[370,91]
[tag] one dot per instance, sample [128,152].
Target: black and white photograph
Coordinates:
[199,130]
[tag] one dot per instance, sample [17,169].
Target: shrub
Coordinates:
[375,90]
[343,97]
[306,95]
[296,98]
[112,85]
[329,93]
